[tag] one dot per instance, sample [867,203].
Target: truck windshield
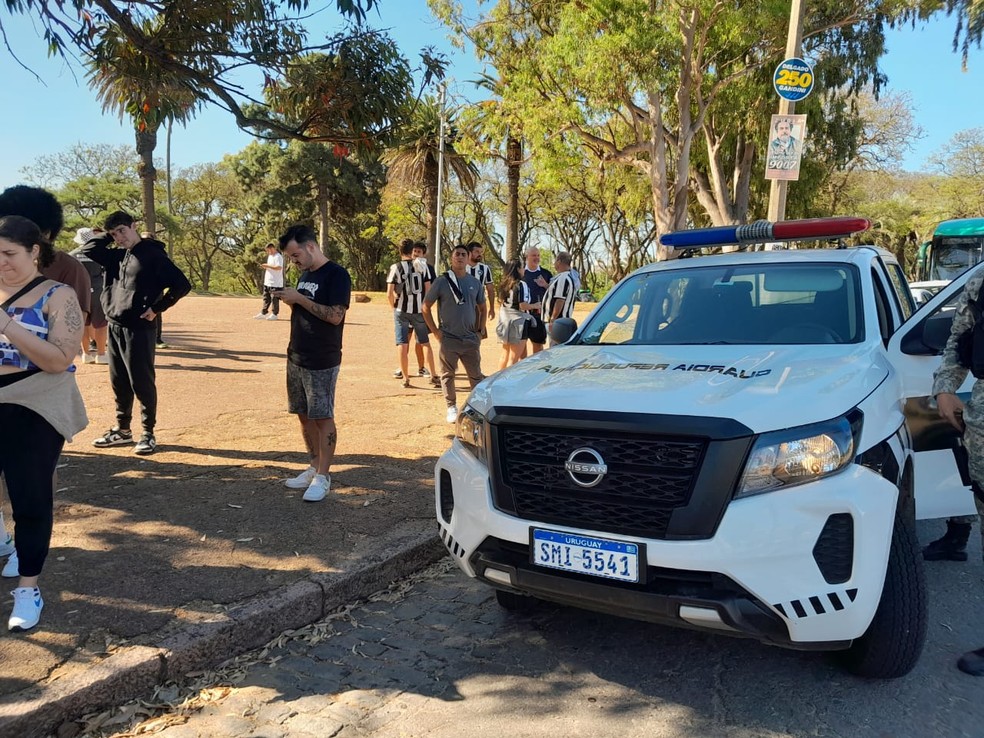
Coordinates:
[751,304]
[951,255]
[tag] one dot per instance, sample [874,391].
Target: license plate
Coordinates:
[599,557]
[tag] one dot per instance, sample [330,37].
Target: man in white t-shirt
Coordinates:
[273,279]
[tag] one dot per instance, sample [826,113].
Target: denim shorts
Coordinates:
[403,322]
[311,392]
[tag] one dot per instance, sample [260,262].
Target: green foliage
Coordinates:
[412,163]
[356,95]
[176,54]
[678,91]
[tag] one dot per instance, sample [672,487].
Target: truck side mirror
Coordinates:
[562,329]
[929,336]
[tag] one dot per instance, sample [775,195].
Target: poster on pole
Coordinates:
[785,150]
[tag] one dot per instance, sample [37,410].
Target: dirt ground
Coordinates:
[142,544]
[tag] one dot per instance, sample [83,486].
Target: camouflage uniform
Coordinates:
[951,375]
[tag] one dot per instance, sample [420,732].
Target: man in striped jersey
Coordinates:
[483,273]
[558,300]
[405,290]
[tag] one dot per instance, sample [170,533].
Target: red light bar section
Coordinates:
[813,228]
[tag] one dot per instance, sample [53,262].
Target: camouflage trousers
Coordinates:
[973,439]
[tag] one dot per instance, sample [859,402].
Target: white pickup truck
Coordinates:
[738,443]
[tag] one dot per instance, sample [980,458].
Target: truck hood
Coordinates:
[765,388]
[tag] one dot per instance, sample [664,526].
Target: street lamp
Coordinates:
[441,92]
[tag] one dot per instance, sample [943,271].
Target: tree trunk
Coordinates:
[430,209]
[514,157]
[146,143]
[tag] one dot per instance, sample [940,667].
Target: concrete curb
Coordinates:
[134,671]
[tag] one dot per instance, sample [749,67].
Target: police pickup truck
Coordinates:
[738,443]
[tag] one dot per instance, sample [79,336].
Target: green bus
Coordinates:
[956,245]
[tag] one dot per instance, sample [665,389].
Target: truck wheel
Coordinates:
[893,642]
[515,602]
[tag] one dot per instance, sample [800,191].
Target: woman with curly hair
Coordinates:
[514,302]
[41,325]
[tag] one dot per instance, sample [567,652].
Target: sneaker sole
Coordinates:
[290,484]
[314,499]
[107,444]
[144,451]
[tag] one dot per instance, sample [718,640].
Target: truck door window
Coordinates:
[900,290]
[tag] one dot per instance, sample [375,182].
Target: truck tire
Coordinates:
[894,641]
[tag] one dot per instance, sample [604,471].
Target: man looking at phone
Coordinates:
[273,282]
[314,354]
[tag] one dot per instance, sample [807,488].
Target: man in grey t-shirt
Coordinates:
[461,311]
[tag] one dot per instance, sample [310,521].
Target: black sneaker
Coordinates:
[423,372]
[114,437]
[146,445]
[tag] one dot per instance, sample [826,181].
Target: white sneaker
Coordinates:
[302,480]
[88,358]
[27,609]
[318,488]
[260,316]
[271,316]
[101,359]
[12,568]
[7,547]
[452,414]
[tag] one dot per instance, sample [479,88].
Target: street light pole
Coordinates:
[794,43]
[440,175]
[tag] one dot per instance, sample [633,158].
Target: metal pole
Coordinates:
[170,200]
[440,176]
[794,43]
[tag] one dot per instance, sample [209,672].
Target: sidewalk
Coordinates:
[162,565]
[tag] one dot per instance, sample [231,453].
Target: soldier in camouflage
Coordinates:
[969,419]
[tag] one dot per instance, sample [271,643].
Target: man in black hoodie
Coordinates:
[141,282]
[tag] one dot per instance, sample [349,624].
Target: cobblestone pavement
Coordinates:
[435,656]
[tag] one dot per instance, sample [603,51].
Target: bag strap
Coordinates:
[459,296]
[22,291]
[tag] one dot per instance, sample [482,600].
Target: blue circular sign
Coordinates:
[793,79]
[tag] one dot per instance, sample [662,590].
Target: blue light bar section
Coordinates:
[701,237]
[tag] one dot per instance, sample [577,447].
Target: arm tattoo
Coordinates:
[329,313]
[73,316]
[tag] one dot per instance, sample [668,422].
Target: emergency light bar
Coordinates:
[764,231]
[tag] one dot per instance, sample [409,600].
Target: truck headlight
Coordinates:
[471,430]
[799,455]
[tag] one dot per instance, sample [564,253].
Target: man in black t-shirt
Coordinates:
[317,318]
[536,279]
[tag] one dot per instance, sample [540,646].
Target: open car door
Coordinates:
[941,477]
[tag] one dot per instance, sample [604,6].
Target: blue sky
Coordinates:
[51,115]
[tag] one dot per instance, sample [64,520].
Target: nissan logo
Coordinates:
[586,467]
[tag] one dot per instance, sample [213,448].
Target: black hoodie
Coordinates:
[136,279]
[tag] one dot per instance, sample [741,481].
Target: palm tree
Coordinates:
[412,161]
[493,124]
[130,84]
